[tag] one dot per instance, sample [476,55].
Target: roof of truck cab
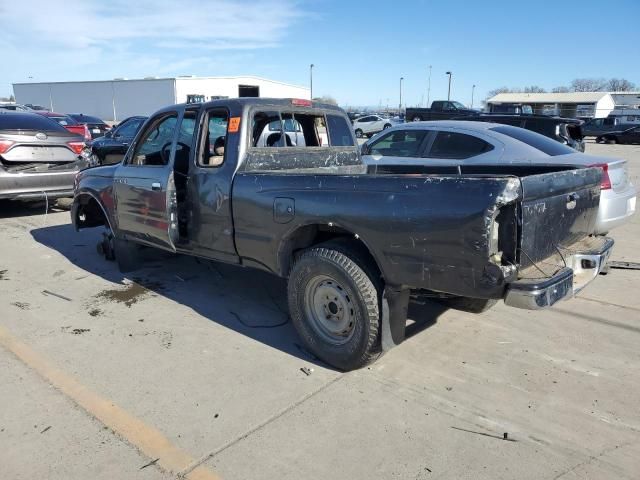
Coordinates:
[263,101]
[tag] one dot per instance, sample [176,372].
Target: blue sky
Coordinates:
[360,49]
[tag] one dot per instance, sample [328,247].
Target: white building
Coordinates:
[114,100]
[571,104]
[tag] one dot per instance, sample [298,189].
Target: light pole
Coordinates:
[311,80]
[400,105]
[449,92]
[473,88]
[429,87]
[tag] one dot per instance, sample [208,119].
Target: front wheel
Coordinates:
[333,303]
[611,141]
[359,133]
[386,125]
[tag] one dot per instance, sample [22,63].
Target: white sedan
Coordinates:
[463,144]
[370,125]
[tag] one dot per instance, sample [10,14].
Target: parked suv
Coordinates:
[370,125]
[563,130]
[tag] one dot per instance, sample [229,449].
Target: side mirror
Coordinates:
[364,149]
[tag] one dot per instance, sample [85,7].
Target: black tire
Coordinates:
[611,140]
[417,119]
[468,304]
[358,133]
[386,125]
[344,270]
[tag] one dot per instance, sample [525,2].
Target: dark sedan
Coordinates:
[38,157]
[97,127]
[114,144]
[630,135]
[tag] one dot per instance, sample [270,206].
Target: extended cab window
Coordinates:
[456,145]
[154,147]
[340,133]
[215,139]
[400,143]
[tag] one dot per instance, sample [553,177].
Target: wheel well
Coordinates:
[90,213]
[311,235]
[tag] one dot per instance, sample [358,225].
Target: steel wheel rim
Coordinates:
[330,310]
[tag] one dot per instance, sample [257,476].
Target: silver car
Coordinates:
[466,143]
[38,157]
[370,124]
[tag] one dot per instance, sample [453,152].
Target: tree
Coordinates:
[534,89]
[495,92]
[620,85]
[326,99]
[589,85]
[560,89]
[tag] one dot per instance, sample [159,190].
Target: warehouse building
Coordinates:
[572,104]
[114,100]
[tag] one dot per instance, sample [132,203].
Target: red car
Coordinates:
[67,122]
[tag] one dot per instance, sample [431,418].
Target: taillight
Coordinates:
[77,147]
[301,102]
[5,145]
[605,184]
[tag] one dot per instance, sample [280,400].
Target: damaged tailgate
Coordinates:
[559,209]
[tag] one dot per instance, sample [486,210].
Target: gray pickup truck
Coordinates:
[354,245]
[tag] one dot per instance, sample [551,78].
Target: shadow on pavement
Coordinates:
[245,300]
[18,208]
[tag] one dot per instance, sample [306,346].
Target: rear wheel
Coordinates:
[611,140]
[386,125]
[334,306]
[417,119]
[358,133]
[468,304]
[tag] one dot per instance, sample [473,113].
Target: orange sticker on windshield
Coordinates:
[234,124]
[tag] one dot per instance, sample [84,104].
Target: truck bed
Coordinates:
[464,234]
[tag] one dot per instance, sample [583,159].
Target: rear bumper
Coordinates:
[31,186]
[582,267]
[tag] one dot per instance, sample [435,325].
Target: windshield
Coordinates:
[535,140]
[458,105]
[28,121]
[64,120]
[86,119]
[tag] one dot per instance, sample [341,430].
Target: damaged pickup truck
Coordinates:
[353,244]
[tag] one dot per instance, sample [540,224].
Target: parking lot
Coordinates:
[188,368]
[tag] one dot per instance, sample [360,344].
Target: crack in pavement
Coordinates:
[258,427]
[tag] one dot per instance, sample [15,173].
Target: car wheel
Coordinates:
[358,133]
[333,303]
[598,139]
[386,125]
[468,304]
[611,141]
[417,119]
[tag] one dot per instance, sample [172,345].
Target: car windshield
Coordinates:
[64,120]
[535,140]
[458,105]
[86,119]
[29,121]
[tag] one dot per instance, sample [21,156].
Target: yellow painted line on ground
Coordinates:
[148,440]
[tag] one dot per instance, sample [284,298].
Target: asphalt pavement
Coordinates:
[191,369]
